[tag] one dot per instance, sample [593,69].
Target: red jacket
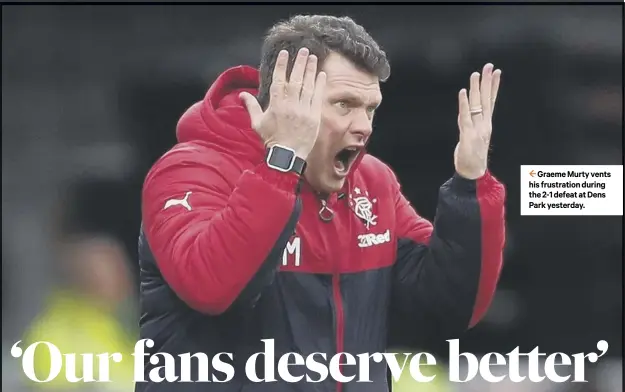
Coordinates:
[226,238]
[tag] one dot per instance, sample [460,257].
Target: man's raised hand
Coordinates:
[293,115]
[475,123]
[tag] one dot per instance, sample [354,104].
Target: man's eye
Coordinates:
[341,104]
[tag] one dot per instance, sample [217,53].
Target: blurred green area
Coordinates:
[407,383]
[86,313]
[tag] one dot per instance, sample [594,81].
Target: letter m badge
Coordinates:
[292,253]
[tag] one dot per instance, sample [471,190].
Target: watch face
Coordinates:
[281,158]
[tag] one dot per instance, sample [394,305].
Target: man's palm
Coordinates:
[475,123]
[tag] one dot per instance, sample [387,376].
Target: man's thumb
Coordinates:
[252,106]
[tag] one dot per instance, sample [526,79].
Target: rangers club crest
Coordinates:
[363,207]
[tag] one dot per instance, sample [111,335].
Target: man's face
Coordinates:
[351,97]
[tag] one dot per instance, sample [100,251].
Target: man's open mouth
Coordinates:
[344,159]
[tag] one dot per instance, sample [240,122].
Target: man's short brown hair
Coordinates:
[322,35]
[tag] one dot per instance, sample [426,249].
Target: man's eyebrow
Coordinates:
[353,97]
[345,95]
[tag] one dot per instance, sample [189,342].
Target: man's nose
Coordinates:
[362,126]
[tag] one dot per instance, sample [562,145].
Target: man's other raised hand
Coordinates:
[475,122]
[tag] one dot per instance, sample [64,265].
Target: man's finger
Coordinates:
[318,96]
[475,100]
[278,83]
[460,126]
[294,86]
[308,89]
[494,89]
[253,108]
[485,89]
[464,119]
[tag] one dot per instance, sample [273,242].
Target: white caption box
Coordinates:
[572,190]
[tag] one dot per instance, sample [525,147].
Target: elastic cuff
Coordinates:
[289,182]
[462,184]
[465,185]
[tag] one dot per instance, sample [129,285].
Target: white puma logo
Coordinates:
[179,202]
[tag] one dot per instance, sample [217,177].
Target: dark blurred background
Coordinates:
[91,96]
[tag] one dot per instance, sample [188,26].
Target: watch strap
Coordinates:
[299,166]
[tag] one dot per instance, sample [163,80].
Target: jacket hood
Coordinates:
[221,118]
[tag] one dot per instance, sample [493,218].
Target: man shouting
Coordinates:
[268,220]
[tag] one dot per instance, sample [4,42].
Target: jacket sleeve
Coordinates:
[227,246]
[445,273]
